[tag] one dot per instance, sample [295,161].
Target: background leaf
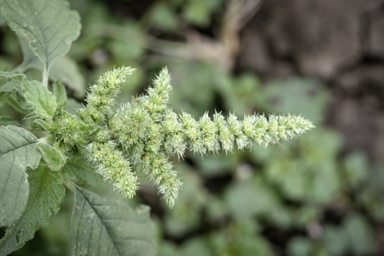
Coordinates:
[78,170]
[30,60]
[65,69]
[43,102]
[105,227]
[17,152]
[60,94]
[46,193]
[6,120]
[49,26]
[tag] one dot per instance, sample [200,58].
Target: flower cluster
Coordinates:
[148,132]
[101,97]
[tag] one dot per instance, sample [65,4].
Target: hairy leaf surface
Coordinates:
[18,77]
[54,158]
[42,100]
[12,92]
[46,193]
[105,227]
[17,152]
[48,26]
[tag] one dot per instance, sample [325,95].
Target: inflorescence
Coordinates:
[148,132]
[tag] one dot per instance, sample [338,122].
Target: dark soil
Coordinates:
[339,42]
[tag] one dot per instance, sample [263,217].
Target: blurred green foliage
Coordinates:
[306,197]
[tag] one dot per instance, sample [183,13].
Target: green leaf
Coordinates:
[12,91]
[64,69]
[6,90]
[6,120]
[54,158]
[72,106]
[46,193]
[61,94]
[17,152]
[78,170]
[106,227]
[89,129]
[67,71]
[43,102]
[30,60]
[11,75]
[41,123]
[48,26]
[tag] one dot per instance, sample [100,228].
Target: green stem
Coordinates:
[68,182]
[45,77]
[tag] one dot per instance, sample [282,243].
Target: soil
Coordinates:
[340,43]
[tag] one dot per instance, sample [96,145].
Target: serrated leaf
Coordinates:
[43,102]
[48,26]
[6,90]
[106,227]
[54,158]
[6,120]
[78,170]
[17,152]
[39,123]
[11,75]
[60,93]
[46,193]
[15,96]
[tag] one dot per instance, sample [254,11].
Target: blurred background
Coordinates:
[318,195]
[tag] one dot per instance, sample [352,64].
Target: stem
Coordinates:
[20,69]
[45,76]
[68,182]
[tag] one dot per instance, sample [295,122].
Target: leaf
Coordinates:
[46,193]
[40,123]
[6,120]
[61,94]
[30,60]
[6,90]
[43,102]
[89,129]
[106,227]
[67,71]
[78,170]
[12,92]
[17,152]
[54,158]
[10,75]
[72,106]
[48,26]
[64,69]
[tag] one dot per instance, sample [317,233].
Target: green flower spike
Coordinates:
[147,132]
